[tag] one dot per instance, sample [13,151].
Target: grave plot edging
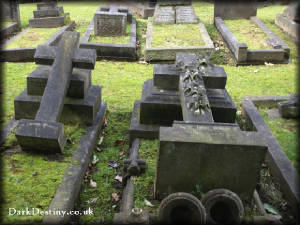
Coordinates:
[68,191]
[114,51]
[280,166]
[8,30]
[27,54]
[141,11]
[290,27]
[244,56]
[169,53]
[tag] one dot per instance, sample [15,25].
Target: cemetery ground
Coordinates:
[30,179]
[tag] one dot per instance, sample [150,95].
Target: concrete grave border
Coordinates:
[108,50]
[169,53]
[27,54]
[15,18]
[280,166]
[289,27]
[244,56]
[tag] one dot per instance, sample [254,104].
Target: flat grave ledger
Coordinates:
[10,15]
[47,15]
[278,51]
[59,90]
[108,33]
[289,20]
[179,19]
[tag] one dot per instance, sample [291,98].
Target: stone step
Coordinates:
[45,13]
[74,110]
[48,22]
[79,83]
[167,77]
[164,107]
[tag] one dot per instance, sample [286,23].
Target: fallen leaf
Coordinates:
[113,164]
[92,200]
[115,196]
[100,141]
[114,206]
[270,209]
[119,142]
[119,178]
[148,203]
[142,62]
[269,64]
[93,183]
[98,149]
[95,160]
[105,122]
[255,71]
[121,153]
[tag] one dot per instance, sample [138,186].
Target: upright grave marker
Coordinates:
[45,132]
[48,15]
[9,12]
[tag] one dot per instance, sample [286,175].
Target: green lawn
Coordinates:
[33,37]
[122,84]
[246,31]
[176,35]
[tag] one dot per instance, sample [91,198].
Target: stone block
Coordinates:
[238,9]
[292,12]
[47,5]
[210,156]
[45,13]
[288,26]
[74,110]
[48,22]
[41,136]
[110,23]
[79,83]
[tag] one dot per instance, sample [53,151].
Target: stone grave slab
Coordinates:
[210,155]
[53,99]
[185,14]
[110,50]
[173,2]
[279,51]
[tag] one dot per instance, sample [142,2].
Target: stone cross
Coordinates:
[45,132]
[111,21]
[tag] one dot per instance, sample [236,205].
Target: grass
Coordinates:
[124,39]
[33,37]
[176,35]
[286,133]
[122,84]
[246,31]
[6,23]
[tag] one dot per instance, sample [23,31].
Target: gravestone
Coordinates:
[111,21]
[48,15]
[9,12]
[188,108]
[173,2]
[41,105]
[290,108]
[289,20]
[174,14]
[238,9]
[185,14]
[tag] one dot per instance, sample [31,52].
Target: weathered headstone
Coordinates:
[238,9]
[173,2]
[45,132]
[290,109]
[185,14]
[164,14]
[111,21]
[48,15]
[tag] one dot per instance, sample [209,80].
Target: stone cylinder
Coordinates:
[223,207]
[181,208]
